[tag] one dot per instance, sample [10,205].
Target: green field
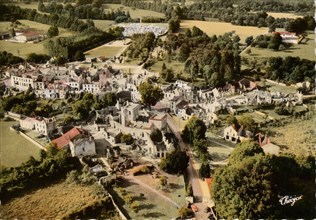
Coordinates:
[103,24]
[134,12]
[23,49]
[14,149]
[105,51]
[304,50]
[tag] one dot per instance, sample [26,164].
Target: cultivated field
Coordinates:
[134,12]
[304,50]
[219,28]
[14,149]
[284,15]
[52,202]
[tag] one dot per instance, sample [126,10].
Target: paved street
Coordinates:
[200,188]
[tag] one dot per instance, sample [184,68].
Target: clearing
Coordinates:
[14,148]
[134,12]
[52,202]
[219,28]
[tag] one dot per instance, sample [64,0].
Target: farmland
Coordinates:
[40,204]
[15,149]
[283,15]
[219,28]
[134,12]
[108,50]
[103,24]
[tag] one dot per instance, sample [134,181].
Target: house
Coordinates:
[236,133]
[82,147]
[267,146]
[4,35]
[289,37]
[159,120]
[112,135]
[246,84]
[129,112]
[64,141]
[28,36]
[45,126]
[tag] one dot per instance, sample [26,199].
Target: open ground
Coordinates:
[52,202]
[284,15]
[14,149]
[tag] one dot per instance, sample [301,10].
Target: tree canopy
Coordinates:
[195,129]
[174,162]
[150,94]
[252,184]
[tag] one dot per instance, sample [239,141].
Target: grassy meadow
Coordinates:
[14,149]
[283,15]
[103,24]
[52,202]
[105,51]
[304,50]
[23,49]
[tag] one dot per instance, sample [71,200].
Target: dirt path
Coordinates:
[133,179]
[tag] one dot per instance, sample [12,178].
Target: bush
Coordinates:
[141,170]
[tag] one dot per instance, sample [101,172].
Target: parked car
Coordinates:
[194,208]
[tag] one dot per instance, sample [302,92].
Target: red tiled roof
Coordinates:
[67,137]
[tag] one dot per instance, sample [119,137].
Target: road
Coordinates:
[200,189]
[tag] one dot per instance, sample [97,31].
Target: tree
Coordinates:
[244,150]
[52,31]
[205,170]
[156,135]
[127,139]
[189,190]
[249,40]
[247,121]
[245,190]
[185,213]
[12,32]
[195,129]
[174,162]
[150,94]
[163,181]
[79,56]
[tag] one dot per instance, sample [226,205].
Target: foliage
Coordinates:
[127,139]
[150,94]
[244,190]
[52,31]
[250,186]
[37,58]
[141,45]
[52,164]
[284,109]
[185,212]
[22,103]
[205,170]
[156,136]
[264,41]
[163,181]
[300,25]
[174,162]
[79,56]
[244,150]
[195,129]
[7,58]
[247,121]
[290,69]
[189,190]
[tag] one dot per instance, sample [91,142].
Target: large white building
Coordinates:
[41,125]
